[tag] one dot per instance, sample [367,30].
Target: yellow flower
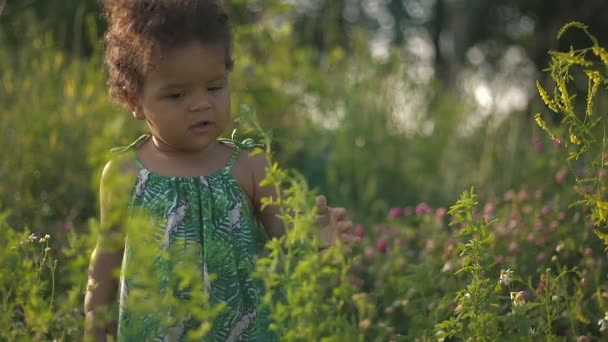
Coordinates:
[518,298]
[574,139]
[505,277]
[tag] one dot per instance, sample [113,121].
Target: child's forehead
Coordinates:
[193,60]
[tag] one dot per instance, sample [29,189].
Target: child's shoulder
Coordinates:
[249,166]
[120,169]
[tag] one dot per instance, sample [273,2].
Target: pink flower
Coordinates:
[560,176]
[500,260]
[440,214]
[489,208]
[513,247]
[531,237]
[539,147]
[395,212]
[369,252]
[541,257]
[381,246]
[509,195]
[559,143]
[546,210]
[554,226]
[423,209]
[588,252]
[360,230]
[524,195]
[355,281]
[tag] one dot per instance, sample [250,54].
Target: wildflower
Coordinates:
[395,212]
[447,267]
[423,209]
[558,143]
[509,195]
[560,246]
[539,147]
[505,277]
[360,231]
[574,139]
[518,298]
[440,214]
[488,209]
[603,322]
[513,247]
[524,195]
[48,249]
[32,237]
[47,237]
[369,252]
[441,335]
[42,240]
[381,246]
[365,324]
[560,176]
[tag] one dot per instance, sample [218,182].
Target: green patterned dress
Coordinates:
[203,221]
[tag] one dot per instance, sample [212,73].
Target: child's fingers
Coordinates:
[350,238]
[321,204]
[345,226]
[337,214]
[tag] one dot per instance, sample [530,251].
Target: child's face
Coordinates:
[185,98]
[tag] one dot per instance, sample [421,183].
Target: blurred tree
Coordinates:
[451,27]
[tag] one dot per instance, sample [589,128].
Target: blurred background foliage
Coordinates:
[379,103]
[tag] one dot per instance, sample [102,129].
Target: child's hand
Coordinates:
[336,224]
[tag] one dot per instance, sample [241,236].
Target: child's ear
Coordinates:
[136,108]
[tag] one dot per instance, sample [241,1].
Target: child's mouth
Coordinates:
[201,126]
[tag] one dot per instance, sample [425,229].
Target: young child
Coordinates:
[169,62]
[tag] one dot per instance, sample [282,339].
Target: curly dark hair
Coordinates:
[139,30]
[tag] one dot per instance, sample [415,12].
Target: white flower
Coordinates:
[518,298]
[603,322]
[32,237]
[440,335]
[47,237]
[505,277]
[447,267]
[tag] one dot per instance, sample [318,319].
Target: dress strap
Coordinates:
[233,157]
[132,146]
[244,144]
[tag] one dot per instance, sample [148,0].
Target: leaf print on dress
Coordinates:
[177,332]
[241,326]
[234,216]
[173,221]
[142,179]
[206,280]
[124,292]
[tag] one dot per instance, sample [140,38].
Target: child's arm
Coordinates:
[334,222]
[269,216]
[106,259]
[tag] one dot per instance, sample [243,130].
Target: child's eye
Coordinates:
[175,95]
[215,88]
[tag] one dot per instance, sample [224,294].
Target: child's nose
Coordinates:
[200,101]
